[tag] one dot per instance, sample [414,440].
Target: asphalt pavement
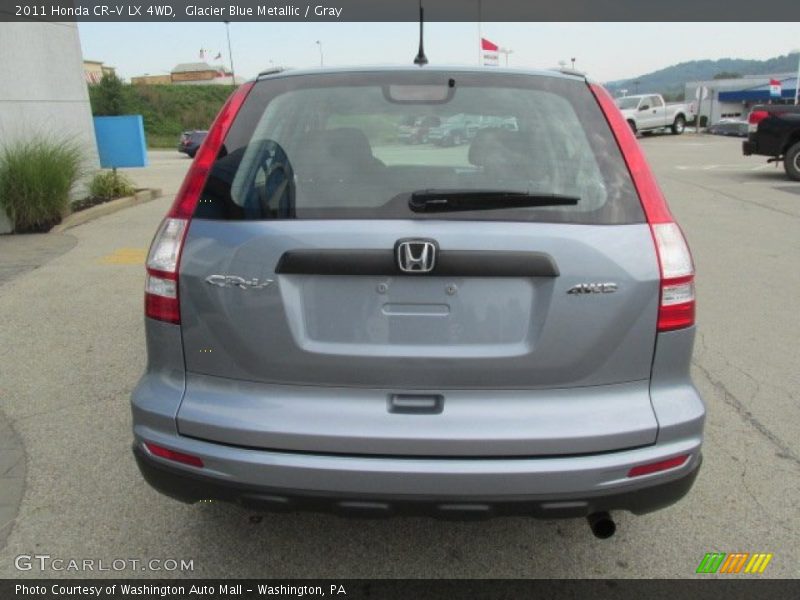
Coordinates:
[73,350]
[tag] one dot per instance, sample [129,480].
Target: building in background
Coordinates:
[733,98]
[152,80]
[44,90]
[93,70]
[196,73]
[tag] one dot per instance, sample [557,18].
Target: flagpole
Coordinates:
[480,35]
[230,52]
[797,83]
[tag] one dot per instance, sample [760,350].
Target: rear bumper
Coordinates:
[536,481]
[370,486]
[748,148]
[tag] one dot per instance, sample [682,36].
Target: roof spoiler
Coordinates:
[271,71]
[568,71]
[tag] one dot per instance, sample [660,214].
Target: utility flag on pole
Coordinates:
[775,88]
[490,52]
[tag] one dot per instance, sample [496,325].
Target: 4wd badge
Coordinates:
[593,288]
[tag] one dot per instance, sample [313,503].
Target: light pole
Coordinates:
[573,63]
[230,52]
[506,51]
[320,53]
[797,81]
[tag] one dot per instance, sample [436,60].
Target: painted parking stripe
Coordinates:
[125,256]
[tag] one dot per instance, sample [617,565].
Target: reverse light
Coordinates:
[657,467]
[173,455]
[161,299]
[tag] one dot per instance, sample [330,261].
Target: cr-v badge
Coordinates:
[235,281]
[593,288]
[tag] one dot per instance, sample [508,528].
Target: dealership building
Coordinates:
[733,98]
[196,73]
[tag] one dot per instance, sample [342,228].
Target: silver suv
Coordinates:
[337,320]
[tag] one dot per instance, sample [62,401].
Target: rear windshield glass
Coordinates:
[358,145]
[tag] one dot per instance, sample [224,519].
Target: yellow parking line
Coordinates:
[125,256]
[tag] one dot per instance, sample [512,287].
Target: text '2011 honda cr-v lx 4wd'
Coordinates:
[338,320]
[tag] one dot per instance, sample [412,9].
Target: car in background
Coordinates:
[461,128]
[774,131]
[648,112]
[414,130]
[455,130]
[730,127]
[506,332]
[190,141]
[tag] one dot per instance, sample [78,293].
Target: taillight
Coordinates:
[755,118]
[677,302]
[161,285]
[163,261]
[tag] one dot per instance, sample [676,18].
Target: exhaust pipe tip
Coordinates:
[602,525]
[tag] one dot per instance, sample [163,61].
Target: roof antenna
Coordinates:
[421,59]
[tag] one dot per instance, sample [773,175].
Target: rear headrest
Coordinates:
[341,144]
[495,146]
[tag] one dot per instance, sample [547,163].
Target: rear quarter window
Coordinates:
[340,146]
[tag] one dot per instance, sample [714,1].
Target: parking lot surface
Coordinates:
[73,350]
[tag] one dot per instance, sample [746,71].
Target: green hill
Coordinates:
[168,109]
[670,81]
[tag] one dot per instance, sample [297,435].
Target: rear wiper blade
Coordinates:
[442,200]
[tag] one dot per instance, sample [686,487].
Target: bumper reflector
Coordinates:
[662,465]
[172,455]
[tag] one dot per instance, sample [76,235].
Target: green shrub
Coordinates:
[109,97]
[36,177]
[110,185]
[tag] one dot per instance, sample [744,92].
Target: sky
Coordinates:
[605,51]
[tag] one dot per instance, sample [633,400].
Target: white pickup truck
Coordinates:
[649,112]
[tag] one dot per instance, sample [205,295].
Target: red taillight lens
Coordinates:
[163,262]
[173,455]
[677,303]
[161,285]
[189,194]
[653,201]
[755,118]
[661,465]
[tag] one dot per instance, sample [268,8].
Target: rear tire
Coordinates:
[791,162]
[679,125]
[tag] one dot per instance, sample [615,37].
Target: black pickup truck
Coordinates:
[774,131]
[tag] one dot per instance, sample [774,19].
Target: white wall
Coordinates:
[43,89]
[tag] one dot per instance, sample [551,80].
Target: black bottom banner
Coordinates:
[473,589]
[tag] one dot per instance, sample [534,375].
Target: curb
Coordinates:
[107,208]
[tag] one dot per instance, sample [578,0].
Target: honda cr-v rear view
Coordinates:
[339,320]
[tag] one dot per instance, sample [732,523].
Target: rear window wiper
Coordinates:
[454,200]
